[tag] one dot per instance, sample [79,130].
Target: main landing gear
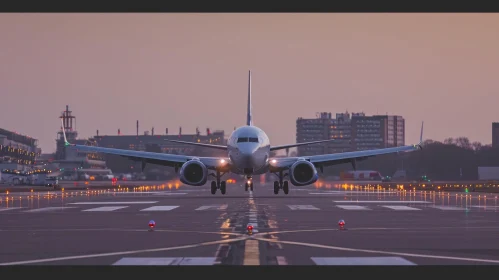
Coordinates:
[222,185]
[248,184]
[281,184]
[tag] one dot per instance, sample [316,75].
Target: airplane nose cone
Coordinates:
[248,150]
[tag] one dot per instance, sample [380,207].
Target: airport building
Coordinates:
[17,152]
[352,132]
[495,135]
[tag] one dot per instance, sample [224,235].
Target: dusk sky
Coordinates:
[190,70]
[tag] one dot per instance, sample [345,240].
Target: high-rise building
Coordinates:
[495,135]
[352,132]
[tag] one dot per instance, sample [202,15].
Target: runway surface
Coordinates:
[194,227]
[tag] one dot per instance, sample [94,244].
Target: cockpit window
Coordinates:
[247,139]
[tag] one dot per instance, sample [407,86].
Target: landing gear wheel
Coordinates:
[246,186]
[285,187]
[223,186]
[251,186]
[276,187]
[213,187]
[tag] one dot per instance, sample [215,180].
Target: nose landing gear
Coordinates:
[248,184]
[281,184]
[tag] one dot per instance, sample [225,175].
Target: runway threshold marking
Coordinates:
[9,208]
[212,207]
[383,252]
[380,201]
[352,207]
[302,207]
[112,202]
[46,209]
[362,261]
[167,261]
[160,208]
[400,208]
[105,209]
[124,252]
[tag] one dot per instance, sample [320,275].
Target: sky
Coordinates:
[190,70]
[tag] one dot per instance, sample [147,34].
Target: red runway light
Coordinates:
[152,224]
[250,229]
[341,223]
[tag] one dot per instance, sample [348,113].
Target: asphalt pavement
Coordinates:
[193,227]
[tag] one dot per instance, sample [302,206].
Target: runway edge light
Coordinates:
[341,224]
[152,224]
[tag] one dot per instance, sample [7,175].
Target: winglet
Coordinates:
[420,145]
[66,143]
[249,117]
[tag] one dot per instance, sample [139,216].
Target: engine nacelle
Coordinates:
[193,173]
[303,173]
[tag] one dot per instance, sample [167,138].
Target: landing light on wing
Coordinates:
[274,161]
[222,161]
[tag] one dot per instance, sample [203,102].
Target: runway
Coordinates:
[194,227]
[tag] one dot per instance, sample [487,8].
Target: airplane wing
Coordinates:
[339,158]
[274,148]
[154,158]
[220,147]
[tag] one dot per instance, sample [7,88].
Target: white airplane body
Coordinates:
[248,153]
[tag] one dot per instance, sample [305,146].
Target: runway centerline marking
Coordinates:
[251,246]
[382,252]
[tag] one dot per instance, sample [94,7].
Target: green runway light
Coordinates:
[466,190]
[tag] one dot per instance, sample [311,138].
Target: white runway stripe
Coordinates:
[105,209]
[399,208]
[379,201]
[352,207]
[449,208]
[47,209]
[9,208]
[302,207]
[166,261]
[213,207]
[362,261]
[112,202]
[160,208]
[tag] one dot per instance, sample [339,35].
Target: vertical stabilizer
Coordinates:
[249,117]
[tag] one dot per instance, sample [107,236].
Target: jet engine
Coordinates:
[193,173]
[303,173]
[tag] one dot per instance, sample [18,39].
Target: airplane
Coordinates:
[248,153]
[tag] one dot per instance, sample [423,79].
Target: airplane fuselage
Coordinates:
[249,150]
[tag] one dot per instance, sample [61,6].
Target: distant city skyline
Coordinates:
[190,70]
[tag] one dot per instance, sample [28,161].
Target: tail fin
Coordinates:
[249,117]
